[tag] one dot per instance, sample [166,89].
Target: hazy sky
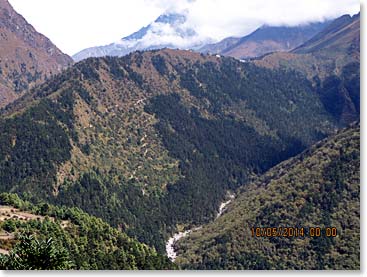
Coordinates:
[77,24]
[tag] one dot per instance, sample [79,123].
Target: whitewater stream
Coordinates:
[170,249]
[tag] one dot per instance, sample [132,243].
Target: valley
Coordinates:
[162,150]
[198,133]
[172,241]
[319,187]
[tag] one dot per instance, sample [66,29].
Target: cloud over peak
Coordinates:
[223,18]
[76,24]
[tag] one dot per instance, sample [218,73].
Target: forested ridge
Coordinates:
[318,188]
[87,242]
[156,138]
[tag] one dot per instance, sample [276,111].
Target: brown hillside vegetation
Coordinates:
[26,56]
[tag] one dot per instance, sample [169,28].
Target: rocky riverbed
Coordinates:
[170,245]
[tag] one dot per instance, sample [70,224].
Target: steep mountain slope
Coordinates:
[167,31]
[89,242]
[26,56]
[219,47]
[331,61]
[154,139]
[342,33]
[318,188]
[265,40]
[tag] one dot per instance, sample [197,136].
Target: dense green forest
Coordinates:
[105,161]
[156,138]
[318,188]
[340,94]
[29,253]
[33,144]
[79,241]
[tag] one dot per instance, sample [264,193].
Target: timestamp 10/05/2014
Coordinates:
[293,232]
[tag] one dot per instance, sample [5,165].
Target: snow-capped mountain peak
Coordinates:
[169,30]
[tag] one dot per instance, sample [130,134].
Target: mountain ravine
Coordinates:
[318,188]
[153,158]
[172,241]
[136,140]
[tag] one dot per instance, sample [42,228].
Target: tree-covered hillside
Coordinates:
[87,242]
[155,139]
[331,61]
[320,188]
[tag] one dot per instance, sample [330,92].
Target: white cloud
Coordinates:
[163,34]
[223,18]
[77,24]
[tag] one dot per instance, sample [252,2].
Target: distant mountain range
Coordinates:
[342,33]
[167,31]
[331,61]
[265,40]
[171,31]
[26,56]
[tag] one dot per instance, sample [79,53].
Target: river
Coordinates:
[170,245]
